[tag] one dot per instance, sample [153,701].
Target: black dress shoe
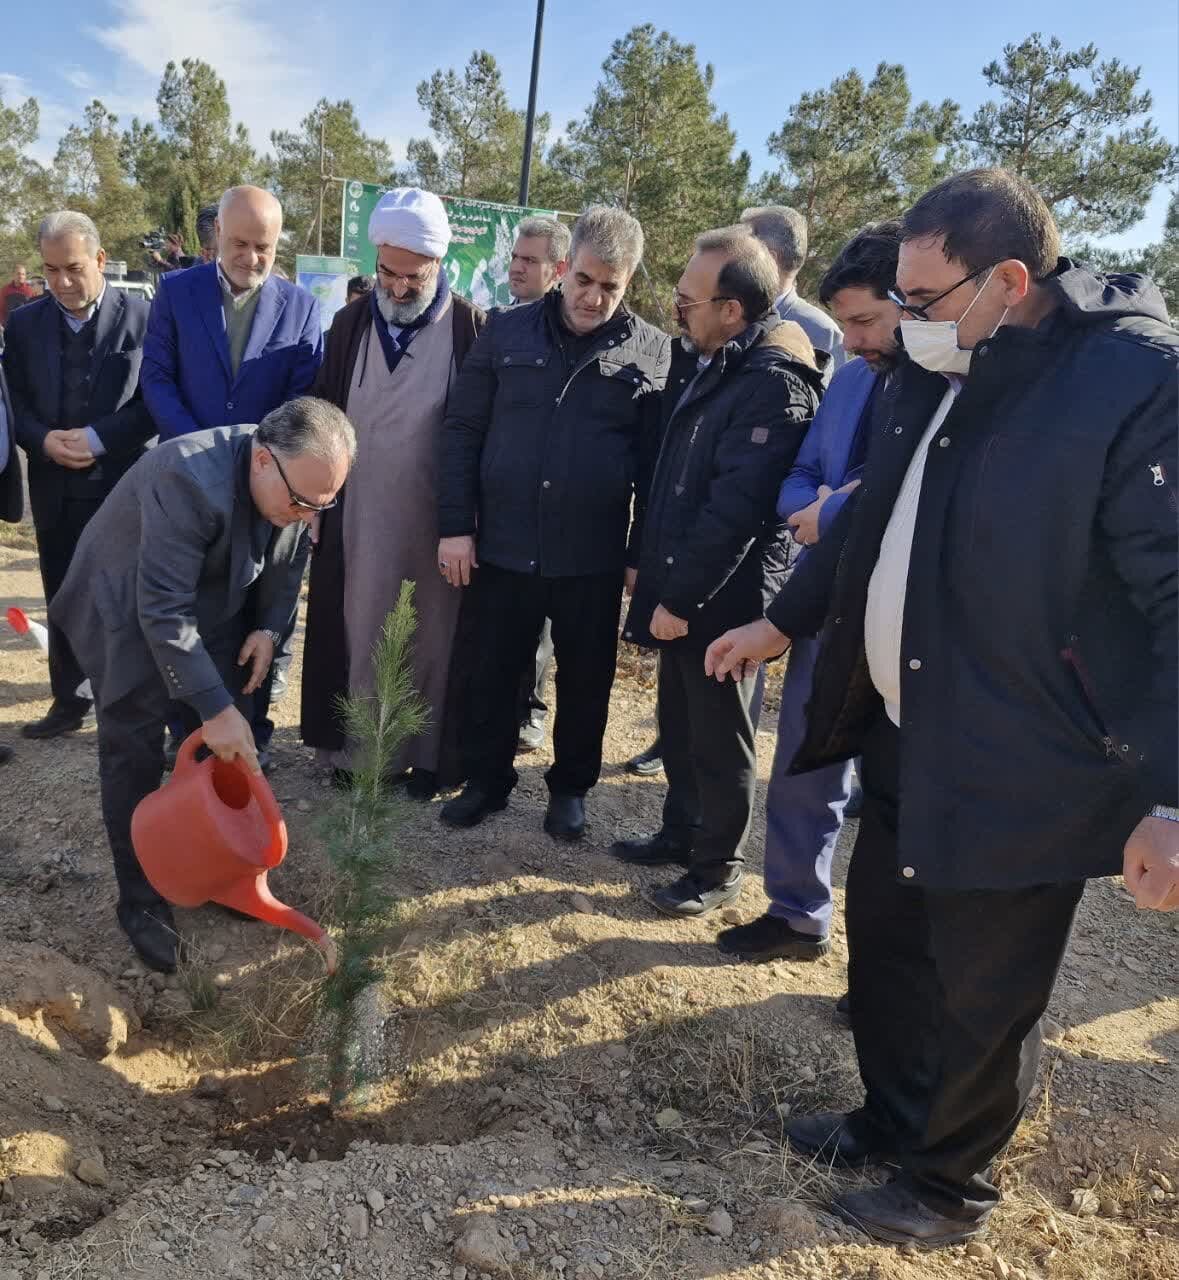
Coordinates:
[152,932]
[855,802]
[647,763]
[422,784]
[659,850]
[689,897]
[470,807]
[768,938]
[61,718]
[831,1135]
[6,753]
[564,819]
[893,1213]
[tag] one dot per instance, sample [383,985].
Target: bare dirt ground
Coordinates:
[571,1086]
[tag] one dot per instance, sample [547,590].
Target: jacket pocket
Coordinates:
[524,377]
[1084,683]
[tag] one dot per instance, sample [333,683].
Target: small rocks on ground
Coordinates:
[719,1223]
[1085,1202]
[92,1171]
[376,1201]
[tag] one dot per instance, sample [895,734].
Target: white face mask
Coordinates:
[933,344]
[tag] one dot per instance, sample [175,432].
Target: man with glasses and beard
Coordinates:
[393,356]
[997,606]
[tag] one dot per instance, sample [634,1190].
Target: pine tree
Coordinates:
[349,153]
[23,183]
[856,152]
[1086,149]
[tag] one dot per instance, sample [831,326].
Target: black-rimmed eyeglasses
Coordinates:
[921,312]
[682,305]
[297,500]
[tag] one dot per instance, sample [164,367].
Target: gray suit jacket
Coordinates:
[169,558]
[824,333]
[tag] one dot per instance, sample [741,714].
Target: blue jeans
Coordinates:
[804,812]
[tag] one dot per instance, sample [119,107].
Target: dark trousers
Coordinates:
[131,760]
[532,707]
[510,609]
[707,740]
[55,550]
[947,989]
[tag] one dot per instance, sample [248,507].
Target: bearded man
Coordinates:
[393,356]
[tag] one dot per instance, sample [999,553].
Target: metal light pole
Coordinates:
[530,119]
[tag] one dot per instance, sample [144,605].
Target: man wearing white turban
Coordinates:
[392,358]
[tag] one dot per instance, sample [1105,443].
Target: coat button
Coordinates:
[914,664]
[507,359]
[544,484]
[229,404]
[671,559]
[908,873]
[540,359]
[626,635]
[944,442]
[897,430]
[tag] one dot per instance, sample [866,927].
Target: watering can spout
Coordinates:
[255,899]
[211,834]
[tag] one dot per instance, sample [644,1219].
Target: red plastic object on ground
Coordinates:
[23,625]
[211,834]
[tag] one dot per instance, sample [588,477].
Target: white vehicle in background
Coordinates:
[116,274]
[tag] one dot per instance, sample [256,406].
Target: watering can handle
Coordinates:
[259,787]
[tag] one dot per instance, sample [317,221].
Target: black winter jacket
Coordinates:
[714,551]
[542,460]
[1039,665]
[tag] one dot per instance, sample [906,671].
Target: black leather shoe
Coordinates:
[893,1213]
[59,719]
[768,938]
[470,807]
[6,753]
[152,932]
[855,802]
[688,897]
[564,819]
[531,736]
[829,1136]
[659,850]
[422,784]
[647,763]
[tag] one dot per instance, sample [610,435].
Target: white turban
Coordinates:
[409,218]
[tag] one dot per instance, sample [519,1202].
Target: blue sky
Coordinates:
[279,56]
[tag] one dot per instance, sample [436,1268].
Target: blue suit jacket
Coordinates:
[827,448]
[187,381]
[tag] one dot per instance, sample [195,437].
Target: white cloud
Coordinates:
[78,78]
[254,57]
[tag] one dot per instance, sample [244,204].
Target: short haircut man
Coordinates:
[358,287]
[73,363]
[742,388]
[783,231]
[546,435]
[177,596]
[540,256]
[1009,755]
[206,229]
[805,811]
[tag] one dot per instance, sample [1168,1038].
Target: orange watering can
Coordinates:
[211,834]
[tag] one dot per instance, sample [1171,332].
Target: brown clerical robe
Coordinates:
[389,531]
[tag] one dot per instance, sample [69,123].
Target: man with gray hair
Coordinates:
[548,439]
[783,231]
[72,361]
[178,595]
[539,257]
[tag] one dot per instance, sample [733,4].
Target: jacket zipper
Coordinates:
[1159,479]
[1081,672]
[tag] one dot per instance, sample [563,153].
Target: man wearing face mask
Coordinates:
[393,355]
[998,607]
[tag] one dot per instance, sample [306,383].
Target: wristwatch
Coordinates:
[1165,811]
[276,640]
